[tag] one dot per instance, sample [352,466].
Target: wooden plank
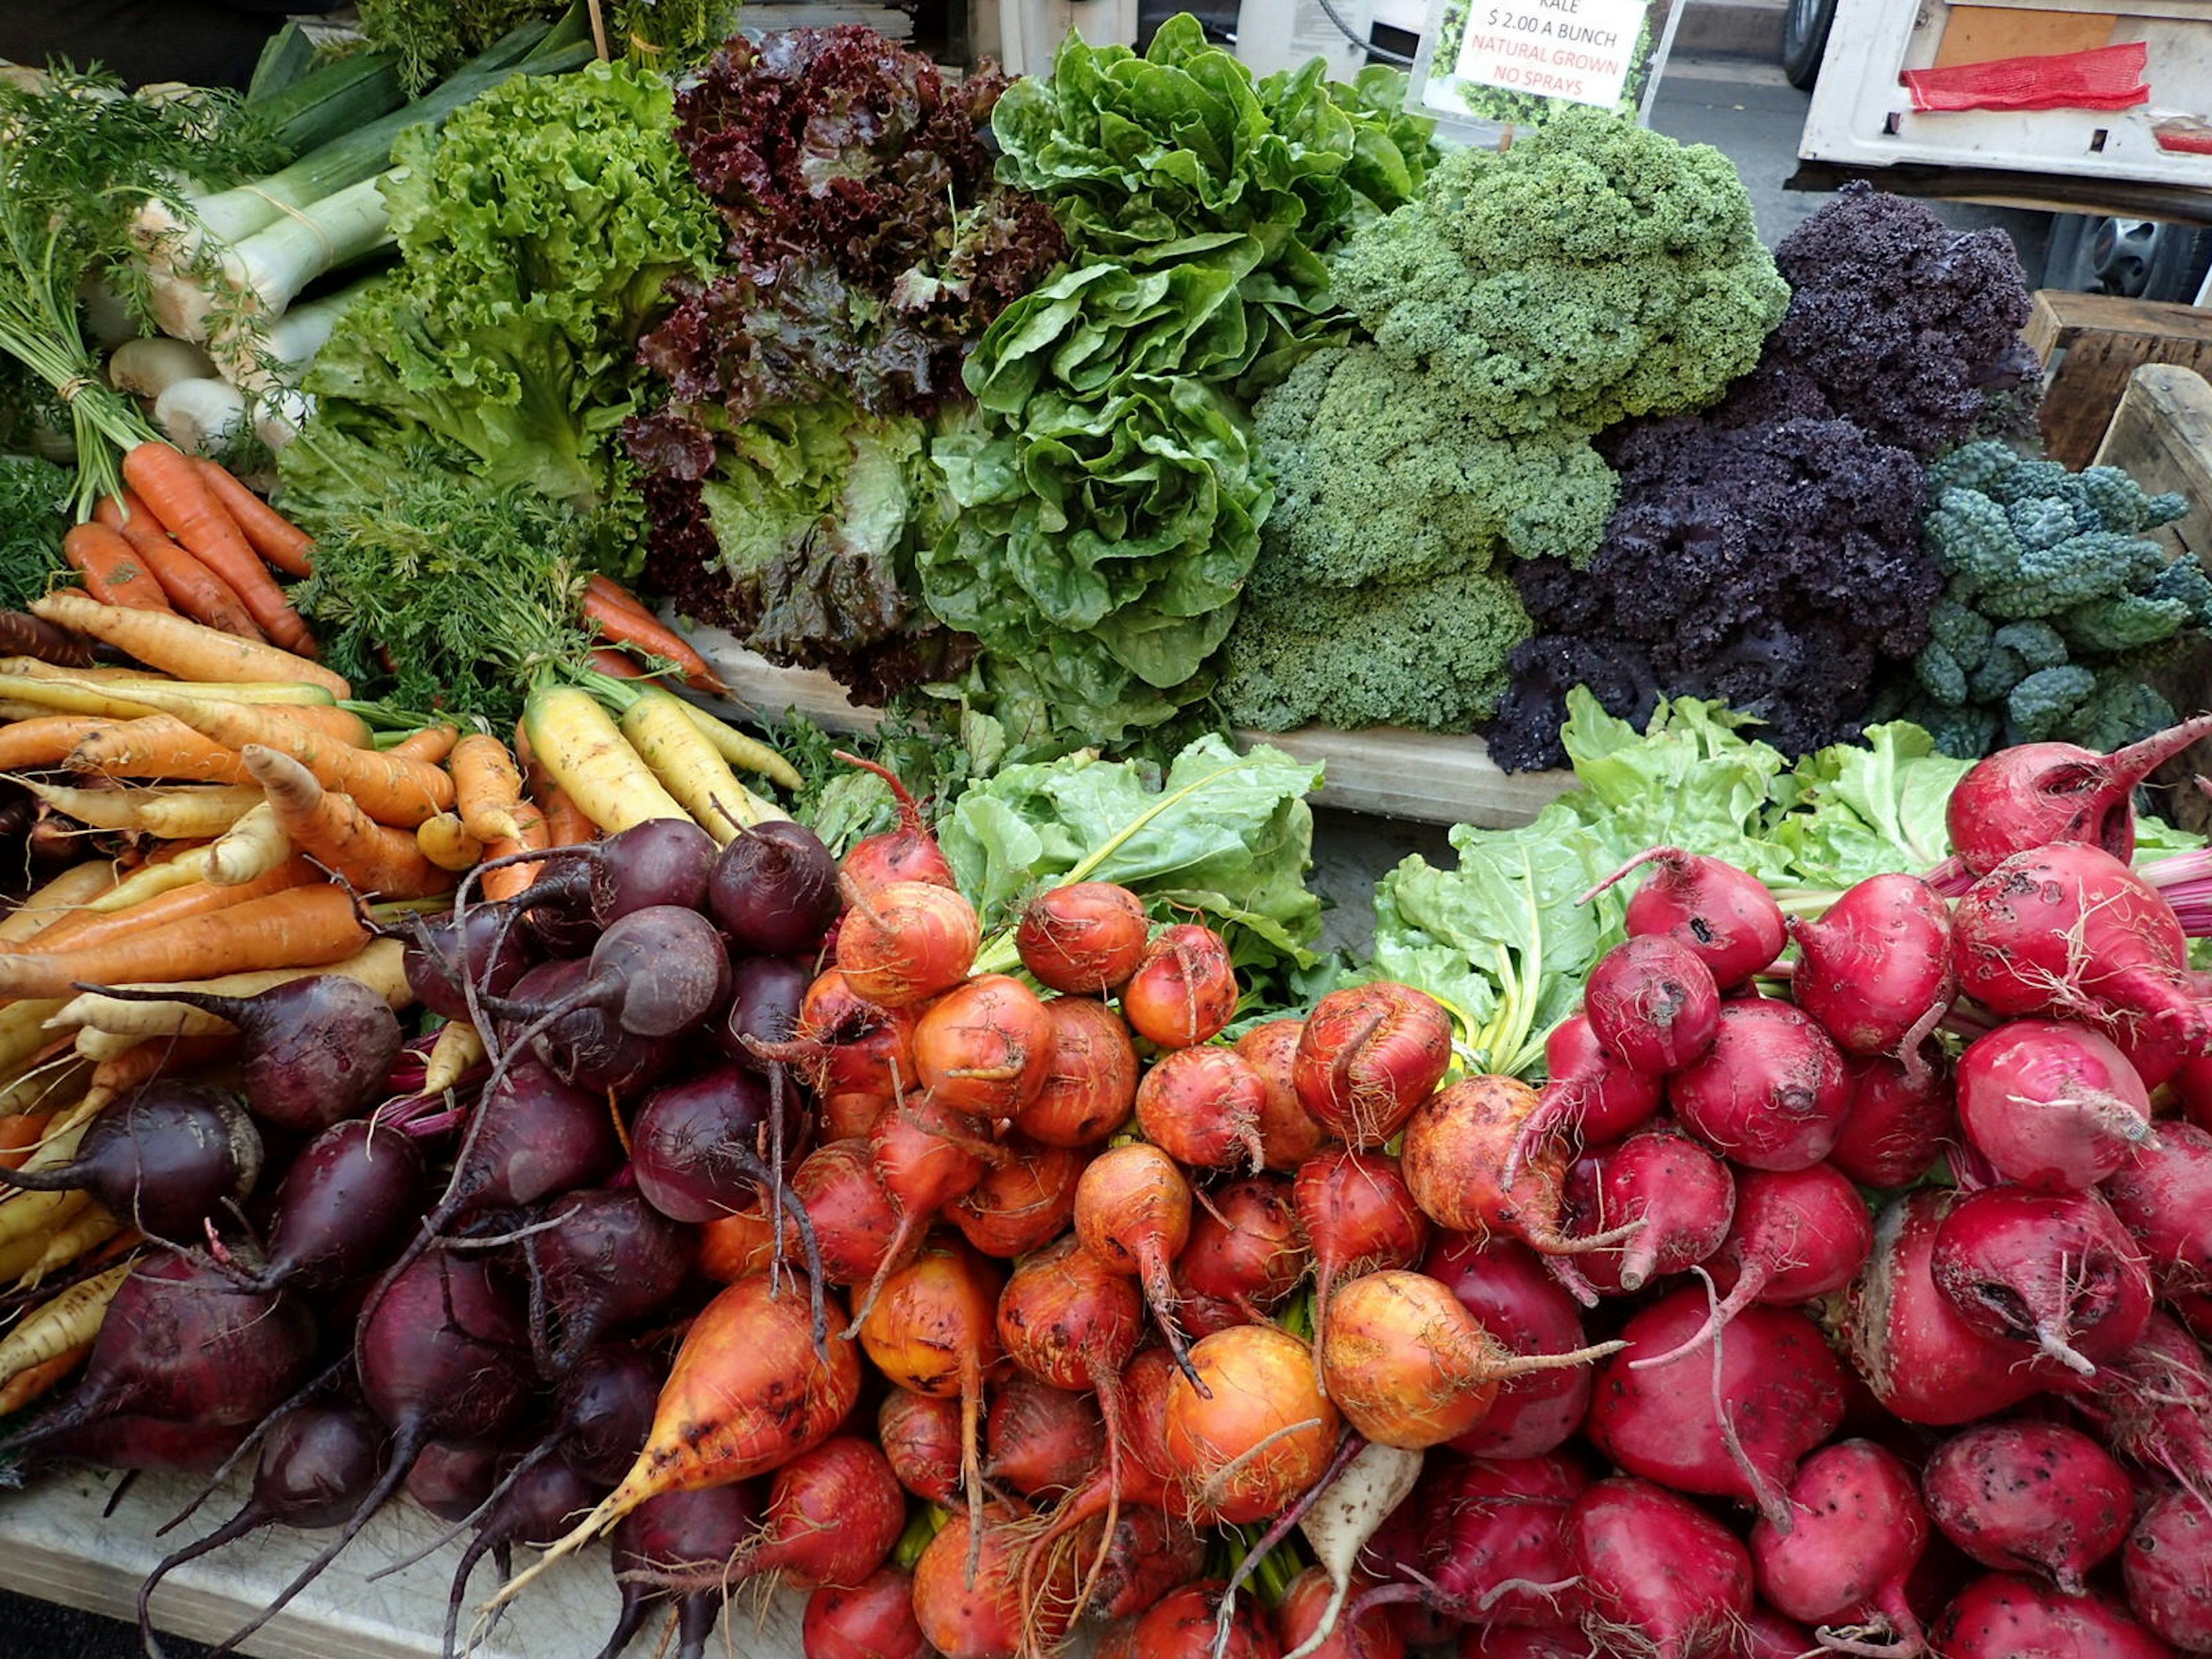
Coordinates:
[1974,35]
[2161,435]
[2090,344]
[1424,776]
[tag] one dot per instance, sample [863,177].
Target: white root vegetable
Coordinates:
[201,417]
[1350,1510]
[149,367]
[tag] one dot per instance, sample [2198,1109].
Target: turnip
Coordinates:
[1084,938]
[2003,1616]
[1338,1526]
[1184,989]
[2034,793]
[2162,1194]
[1922,1361]
[1875,970]
[2028,1497]
[1410,1366]
[1857,1529]
[2053,1269]
[1797,1235]
[1367,1055]
[2051,1105]
[1732,1424]
[1723,914]
[1504,1285]
[1288,1134]
[1899,1120]
[1770,1093]
[1663,1577]
[2070,932]
[1679,1197]
[1652,1000]
[2167,1565]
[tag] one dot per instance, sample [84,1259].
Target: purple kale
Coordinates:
[1772,565]
[1905,327]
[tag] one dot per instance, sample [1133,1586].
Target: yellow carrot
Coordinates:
[85,1231]
[690,768]
[23,1030]
[580,749]
[36,1089]
[186,812]
[76,886]
[154,746]
[446,843]
[379,965]
[458,1047]
[177,646]
[252,847]
[122,681]
[70,1321]
[739,749]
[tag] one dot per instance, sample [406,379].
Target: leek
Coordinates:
[255,277]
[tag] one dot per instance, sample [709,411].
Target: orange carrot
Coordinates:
[432,743]
[35,1383]
[224,550]
[392,789]
[177,494]
[615,664]
[330,828]
[155,1057]
[113,572]
[487,785]
[152,746]
[618,615]
[270,533]
[186,649]
[91,929]
[193,588]
[25,744]
[304,927]
[507,880]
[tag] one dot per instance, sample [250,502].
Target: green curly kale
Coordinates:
[2053,603]
[1594,271]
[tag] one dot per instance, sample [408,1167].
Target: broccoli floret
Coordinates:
[1380,476]
[1593,272]
[1907,326]
[2043,703]
[1425,653]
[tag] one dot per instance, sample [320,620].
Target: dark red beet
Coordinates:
[873,1621]
[676,1548]
[773,890]
[166,1158]
[608,1259]
[348,1205]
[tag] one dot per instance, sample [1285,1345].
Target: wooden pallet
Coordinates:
[2090,344]
[1386,771]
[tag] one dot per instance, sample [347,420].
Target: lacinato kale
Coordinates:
[1771,565]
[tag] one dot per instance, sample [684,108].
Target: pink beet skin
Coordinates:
[1770,1093]
[1859,1530]
[2004,1616]
[1899,1120]
[2053,1270]
[2167,1566]
[1682,1196]
[2027,1496]
[1658,1567]
[1523,1307]
[1653,1002]
[2052,1105]
[1878,965]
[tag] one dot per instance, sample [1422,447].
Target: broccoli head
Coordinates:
[1908,328]
[1429,654]
[1594,271]
[1380,476]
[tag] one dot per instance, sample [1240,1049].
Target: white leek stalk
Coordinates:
[259,276]
[201,417]
[147,367]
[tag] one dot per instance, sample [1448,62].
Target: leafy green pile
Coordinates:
[431,36]
[538,231]
[1107,496]
[2054,603]
[1525,300]
[1501,939]
[35,514]
[1225,837]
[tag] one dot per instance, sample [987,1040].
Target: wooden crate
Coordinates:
[2161,435]
[2090,344]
